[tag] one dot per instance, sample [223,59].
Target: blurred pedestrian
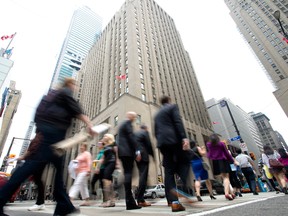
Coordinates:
[172,143]
[83,171]
[221,159]
[53,127]
[98,173]
[234,178]
[199,171]
[143,139]
[284,160]
[278,171]
[128,151]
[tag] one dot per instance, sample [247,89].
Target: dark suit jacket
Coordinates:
[169,128]
[126,143]
[143,139]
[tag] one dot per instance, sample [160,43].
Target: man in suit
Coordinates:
[172,143]
[128,151]
[143,139]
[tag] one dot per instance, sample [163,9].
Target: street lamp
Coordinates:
[277,17]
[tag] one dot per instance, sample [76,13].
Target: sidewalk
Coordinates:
[159,207]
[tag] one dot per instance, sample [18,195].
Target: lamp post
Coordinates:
[276,14]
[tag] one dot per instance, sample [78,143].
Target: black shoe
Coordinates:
[133,207]
[75,212]
[240,195]
[212,197]
[199,198]
[255,193]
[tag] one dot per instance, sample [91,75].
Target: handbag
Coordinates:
[275,163]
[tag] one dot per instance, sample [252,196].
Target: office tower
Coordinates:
[85,27]
[27,138]
[223,124]
[267,134]
[10,102]
[281,141]
[256,22]
[5,66]
[138,58]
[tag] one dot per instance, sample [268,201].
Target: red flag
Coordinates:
[121,77]
[4,37]
[285,39]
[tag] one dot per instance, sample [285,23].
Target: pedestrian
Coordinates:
[98,173]
[284,160]
[234,177]
[199,171]
[221,159]
[128,151]
[278,171]
[83,171]
[143,139]
[248,169]
[53,130]
[109,161]
[173,145]
[37,177]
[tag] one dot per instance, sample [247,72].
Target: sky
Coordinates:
[224,64]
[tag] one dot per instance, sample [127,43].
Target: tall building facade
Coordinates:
[85,27]
[138,58]
[223,125]
[261,30]
[281,141]
[267,134]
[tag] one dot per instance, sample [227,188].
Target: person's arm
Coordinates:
[202,151]
[252,163]
[132,139]
[149,145]
[88,123]
[178,122]
[227,154]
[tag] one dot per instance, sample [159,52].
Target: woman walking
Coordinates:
[284,160]
[270,155]
[83,172]
[221,160]
[199,172]
[109,162]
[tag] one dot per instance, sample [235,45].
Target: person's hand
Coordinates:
[236,163]
[97,171]
[185,144]
[138,158]
[90,131]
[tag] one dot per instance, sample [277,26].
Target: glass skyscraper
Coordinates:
[85,27]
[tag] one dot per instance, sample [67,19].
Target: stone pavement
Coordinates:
[159,207]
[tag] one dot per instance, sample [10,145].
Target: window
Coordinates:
[116,120]
[138,120]
[143,97]
[142,86]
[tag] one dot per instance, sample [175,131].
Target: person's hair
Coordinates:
[165,99]
[192,144]
[268,150]
[282,153]
[111,138]
[238,151]
[214,139]
[85,145]
[68,81]
[143,126]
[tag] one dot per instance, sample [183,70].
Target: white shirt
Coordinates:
[265,158]
[243,160]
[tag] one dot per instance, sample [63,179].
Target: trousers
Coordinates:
[80,185]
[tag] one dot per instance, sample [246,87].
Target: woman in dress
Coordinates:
[199,172]
[284,160]
[221,159]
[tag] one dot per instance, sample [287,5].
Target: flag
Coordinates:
[215,122]
[121,77]
[9,52]
[285,39]
[4,37]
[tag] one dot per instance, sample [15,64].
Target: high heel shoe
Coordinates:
[199,198]
[228,197]
[212,197]
[233,196]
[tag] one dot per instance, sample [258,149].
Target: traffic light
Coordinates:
[252,155]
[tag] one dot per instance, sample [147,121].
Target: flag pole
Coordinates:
[9,43]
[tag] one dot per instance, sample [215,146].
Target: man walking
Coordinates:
[172,142]
[128,150]
[246,164]
[143,139]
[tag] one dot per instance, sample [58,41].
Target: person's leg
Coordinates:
[40,186]
[226,183]
[64,205]
[19,176]
[83,186]
[251,176]
[95,178]
[248,178]
[128,163]
[143,175]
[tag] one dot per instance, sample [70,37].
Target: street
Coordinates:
[247,205]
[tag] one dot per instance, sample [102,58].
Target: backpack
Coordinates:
[45,103]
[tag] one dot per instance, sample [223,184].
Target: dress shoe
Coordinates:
[228,197]
[212,197]
[199,199]
[144,204]
[255,193]
[176,207]
[133,207]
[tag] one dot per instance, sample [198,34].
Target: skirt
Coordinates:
[199,172]
[221,166]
